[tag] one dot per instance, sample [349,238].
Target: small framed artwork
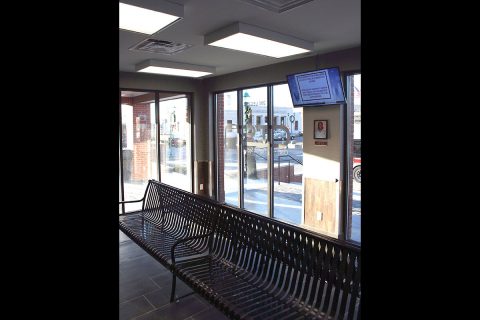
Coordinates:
[320,129]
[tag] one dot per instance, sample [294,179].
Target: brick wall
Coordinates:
[141,141]
[127,100]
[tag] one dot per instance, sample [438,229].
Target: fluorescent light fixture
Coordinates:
[151,17]
[253,39]
[174,68]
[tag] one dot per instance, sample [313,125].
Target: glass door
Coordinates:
[175,143]
[256,162]
[138,144]
[143,142]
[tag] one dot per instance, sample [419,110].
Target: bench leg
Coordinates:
[174,282]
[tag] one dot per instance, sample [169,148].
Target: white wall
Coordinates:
[322,162]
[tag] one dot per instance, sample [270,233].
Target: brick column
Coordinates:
[141,141]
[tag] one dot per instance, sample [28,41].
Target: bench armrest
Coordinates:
[187,239]
[130,201]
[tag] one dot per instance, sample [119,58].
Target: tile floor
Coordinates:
[145,290]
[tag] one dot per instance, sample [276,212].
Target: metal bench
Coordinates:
[259,268]
[167,215]
[247,265]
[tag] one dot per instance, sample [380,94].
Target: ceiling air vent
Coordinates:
[277,5]
[160,46]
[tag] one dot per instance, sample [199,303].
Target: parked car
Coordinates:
[279,135]
[357,169]
[357,160]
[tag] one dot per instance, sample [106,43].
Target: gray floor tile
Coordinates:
[134,308]
[130,289]
[209,314]
[164,281]
[122,237]
[159,298]
[129,250]
[177,311]
[142,266]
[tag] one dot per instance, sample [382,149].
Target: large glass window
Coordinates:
[287,157]
[255,150]
[143,142]
[228,148]
[260,154]
[354,157]
[175,145]
[253,161]
[138,144]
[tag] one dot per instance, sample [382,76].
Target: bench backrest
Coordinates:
[172,207]
[321,271]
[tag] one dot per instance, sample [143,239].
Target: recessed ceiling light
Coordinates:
[150,18]
[253,39]
[174,68]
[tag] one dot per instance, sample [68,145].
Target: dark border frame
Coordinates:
[315,126]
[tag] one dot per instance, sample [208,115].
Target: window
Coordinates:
[261,169]
[175,142]
[354,158]
[139,146]
[255,171]
[287,158]
[144,154]
[255,195]
[228,155]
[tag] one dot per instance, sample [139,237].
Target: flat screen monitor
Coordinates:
[316,88]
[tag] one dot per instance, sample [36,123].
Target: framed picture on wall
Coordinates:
[320,129]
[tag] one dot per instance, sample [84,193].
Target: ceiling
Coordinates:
[331,24]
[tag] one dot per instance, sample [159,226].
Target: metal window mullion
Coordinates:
[215,184]
[348,159]
[192,140]
[240,147]
[157,124]
[270,188]
[344,140]
[122,189]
